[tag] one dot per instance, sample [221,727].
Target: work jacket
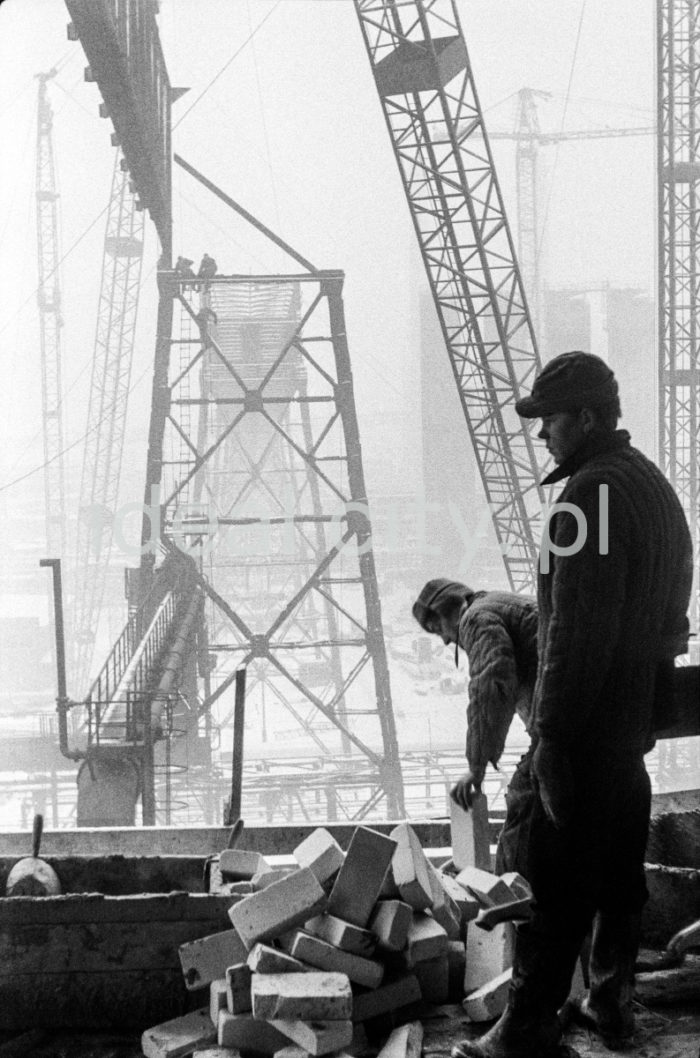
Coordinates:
[612,606]
[498,631]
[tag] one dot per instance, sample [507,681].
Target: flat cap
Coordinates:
[569,382]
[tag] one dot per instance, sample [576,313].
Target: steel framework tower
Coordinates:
[678,69]
[50,324]
[256,455]
[426,87]
[106,420]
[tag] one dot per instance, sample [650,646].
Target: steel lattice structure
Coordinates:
[678,67]
[107,408]
[256,455]
[427,90]
[50,324]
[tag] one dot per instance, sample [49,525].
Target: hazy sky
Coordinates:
[293,129]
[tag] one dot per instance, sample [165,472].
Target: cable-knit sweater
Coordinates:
[614,606]
[498,631]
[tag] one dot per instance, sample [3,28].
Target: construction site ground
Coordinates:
[671,1032]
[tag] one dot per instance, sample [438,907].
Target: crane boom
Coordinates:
[423,75]
[50,324]
[107,407]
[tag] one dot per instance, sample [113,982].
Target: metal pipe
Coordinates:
[63,703]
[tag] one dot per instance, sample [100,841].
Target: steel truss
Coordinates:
[261,481]
[50,324]
[107,408]
[678,67]
[426,87]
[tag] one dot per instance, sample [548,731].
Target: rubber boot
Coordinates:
[546,950]
[608,1006]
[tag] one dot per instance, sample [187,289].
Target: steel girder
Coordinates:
[107,408]
[259,470]
[427,91]
[678,69]
[50,324]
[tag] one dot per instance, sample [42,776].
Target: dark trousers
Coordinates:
[591,869]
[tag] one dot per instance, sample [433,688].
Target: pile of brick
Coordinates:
[319,953]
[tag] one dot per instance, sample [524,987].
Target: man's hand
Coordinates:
[467,788]
[555,782]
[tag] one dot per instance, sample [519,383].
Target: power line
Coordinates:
[226,65]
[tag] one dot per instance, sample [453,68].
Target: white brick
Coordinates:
[238,979]
[489,1001]
[469,906]
[266,960]
[426,939]
[519,886]
[248,1034]
[390,922]
[217,1052]
[239,865]
[317,1037]
[217,999]
[344,935]
[404,1042]
[262,879]
[411,869]
[206,959]
[360,879]
[302,997]
[278,908]
[489,888]
[325,956]
[321,853]
[488,954]
[470,834]
[180,1036]
[443,908]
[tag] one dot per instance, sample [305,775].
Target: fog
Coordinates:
[281,112]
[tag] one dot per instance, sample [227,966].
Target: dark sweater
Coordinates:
[608,619]
[498,631]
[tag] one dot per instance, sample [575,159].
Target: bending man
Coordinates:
[498,632]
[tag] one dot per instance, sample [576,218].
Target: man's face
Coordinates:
[564,433]
[445,627]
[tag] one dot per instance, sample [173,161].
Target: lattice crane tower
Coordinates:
[50,324]
[678,101]
[424,78]
[107,407]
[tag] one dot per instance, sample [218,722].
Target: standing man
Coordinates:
[498,632]
[614,583]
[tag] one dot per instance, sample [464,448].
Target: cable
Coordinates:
[561,129]
[264,124]
[226,65]
[49,274]
[73,444]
